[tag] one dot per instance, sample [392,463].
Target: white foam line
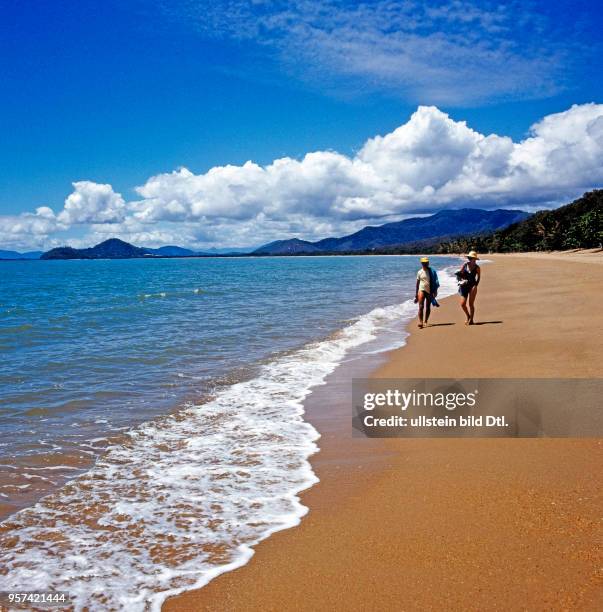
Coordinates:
[189,495]
[55,467]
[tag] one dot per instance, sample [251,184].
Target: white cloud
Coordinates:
[28,230]
[92,203]
[230,192]
[430,162]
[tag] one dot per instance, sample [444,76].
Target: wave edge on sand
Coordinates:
[187,496]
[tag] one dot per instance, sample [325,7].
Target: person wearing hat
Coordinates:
[469,276]
[426,290]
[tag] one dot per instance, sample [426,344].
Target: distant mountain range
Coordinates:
[109,249]
[114,248]
[575,225]
[172,251]
[118,249]
[443,225]
[176,251]
[16,255]
[414,233]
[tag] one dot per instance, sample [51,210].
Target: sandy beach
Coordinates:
[431,524]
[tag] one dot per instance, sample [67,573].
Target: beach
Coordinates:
[159,459]
[220,223]
[431,524]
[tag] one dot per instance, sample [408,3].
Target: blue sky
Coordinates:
[114,93]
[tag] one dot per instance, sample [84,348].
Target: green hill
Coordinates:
[578,225]
[109,249]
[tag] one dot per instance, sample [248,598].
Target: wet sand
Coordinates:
[28,478]
[462,524]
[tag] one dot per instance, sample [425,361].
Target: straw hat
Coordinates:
[424,259]
[472,255]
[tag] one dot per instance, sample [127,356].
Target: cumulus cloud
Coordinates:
[29,230]
[88,203]
[92,203]
[230,192]
[428,163]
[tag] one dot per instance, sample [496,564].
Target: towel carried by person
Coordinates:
[435,285]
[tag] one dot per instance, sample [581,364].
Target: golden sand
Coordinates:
[457,524]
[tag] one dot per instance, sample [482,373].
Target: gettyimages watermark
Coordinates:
[438,407]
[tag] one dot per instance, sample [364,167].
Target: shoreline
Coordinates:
[65,465]
[287,381]
[563,254]
[429,496]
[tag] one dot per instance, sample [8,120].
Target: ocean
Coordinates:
[151,410]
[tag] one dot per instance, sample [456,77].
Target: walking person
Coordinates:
[469,277]
[426,291]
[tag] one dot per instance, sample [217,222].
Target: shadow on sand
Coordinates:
[488,323]
[439,324]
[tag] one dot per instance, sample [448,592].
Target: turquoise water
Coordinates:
[188,373]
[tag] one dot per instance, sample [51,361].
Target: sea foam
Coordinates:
[187,496]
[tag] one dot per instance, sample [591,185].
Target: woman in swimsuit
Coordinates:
[469,276]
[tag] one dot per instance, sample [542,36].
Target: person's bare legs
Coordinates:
[421,303]
[465,309]
[427,307]
[472,297]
